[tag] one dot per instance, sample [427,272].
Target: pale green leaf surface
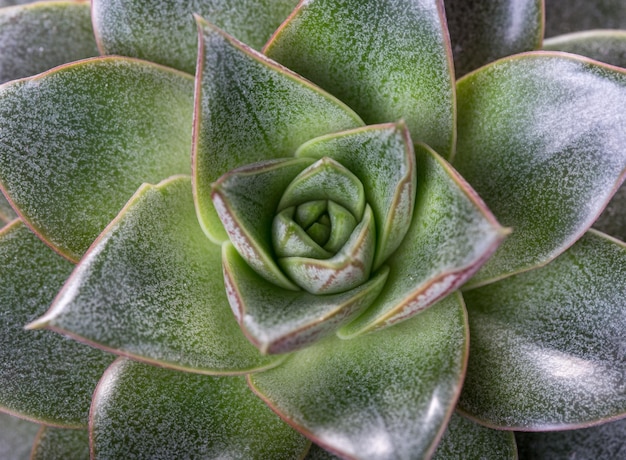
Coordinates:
[164,31]
[482,32]
[547,349]
[387,60]
[249,109]
[613,218]
[7,214]
[379,396]
[76,142]
[38,37]
[603,45]
[61,444]
[16,437]
[152,288]
[383,159]
[140,411]
[565,16]
[451,236]
[246,200]
[43,376]
[464,439]
[278,320]
[541,139]
[604,441]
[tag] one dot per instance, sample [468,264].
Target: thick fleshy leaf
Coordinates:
[317,453]
[166,414]
[613,218]
[152,288]
[451,236]
[541,139]
[482,32]
[16,437]
[603,45]
[547,349]
[38,37]
[603,441]
[164,31]
[7,214]
[383,395]
[76,142]
[386,60]
[383,159]
[249,109]
[43,376]
[246,200]
[278,320]
[61,443]
[466,439]
[573,15]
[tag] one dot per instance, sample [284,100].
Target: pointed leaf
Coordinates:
[547,348]
[383,159]
[382,395]
[38,37]
[602,441]
[482,32]
[540,139]
[164,31]
[466,439]
[386,60]
[43,376]
[574,15]
[613,218]
[248,109]
[603,45]
[61,443]
[451,236]
[76,142]
[246,200]
[16,437]
[278,320]
[168,304]
[165,414]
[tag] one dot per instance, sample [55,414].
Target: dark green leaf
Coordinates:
[61,444]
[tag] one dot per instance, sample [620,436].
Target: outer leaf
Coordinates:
[574,15]
[151,288]
[248,109]
[466,439]
[451,236]
[603,45]
[166,414]
[387,60]
[383,159]
[43,376]
[547,347]
[383,395]
[37,37]
[613,219]
[16,437]
[278,320]
[60,443]
[540,139]
[602,441]
[164,31]
[482,32]
[76,142]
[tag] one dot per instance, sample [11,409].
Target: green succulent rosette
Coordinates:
[296,244]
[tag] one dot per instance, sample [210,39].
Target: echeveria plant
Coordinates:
[363,230]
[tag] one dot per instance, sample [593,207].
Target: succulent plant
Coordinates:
[363,230]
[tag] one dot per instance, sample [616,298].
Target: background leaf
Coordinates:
[547,348]
[540,140]
[565,16]
[16,437]
[61,443]
[603,45]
